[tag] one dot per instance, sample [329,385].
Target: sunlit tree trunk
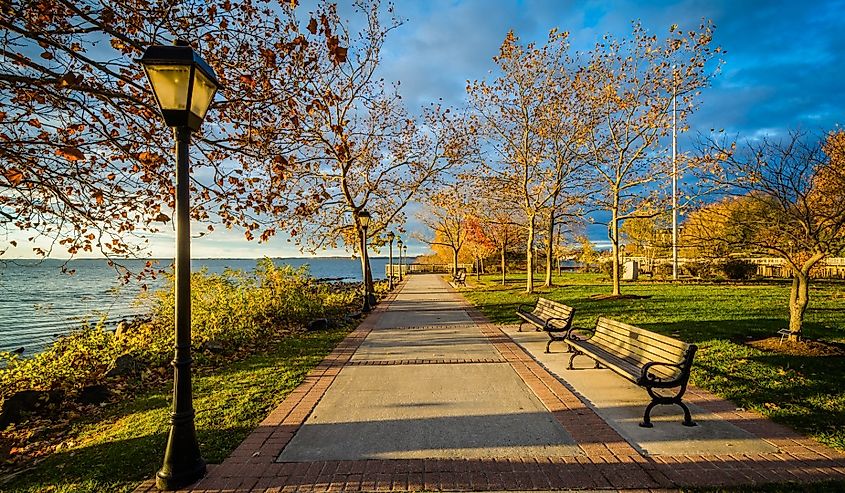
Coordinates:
[504,268]
[799,296]
[529,254]
[550,250]
[614,241]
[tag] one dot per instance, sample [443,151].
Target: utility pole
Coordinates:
[674,179]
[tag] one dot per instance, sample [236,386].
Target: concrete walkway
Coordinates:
[426,394]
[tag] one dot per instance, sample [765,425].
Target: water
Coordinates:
[39,302]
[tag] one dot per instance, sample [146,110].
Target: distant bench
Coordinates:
[460,278]
[549,316]
[650,360]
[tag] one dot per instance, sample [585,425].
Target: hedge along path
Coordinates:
[600,458]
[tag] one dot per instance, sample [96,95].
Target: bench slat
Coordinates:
[666,340]
[642,349]
[644,338]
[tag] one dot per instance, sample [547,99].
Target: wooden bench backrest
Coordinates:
[547,309]
[640,346]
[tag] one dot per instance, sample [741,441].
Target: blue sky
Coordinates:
[784,67]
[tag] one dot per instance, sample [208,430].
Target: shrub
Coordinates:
[239,311]
[736,269]
[701,268]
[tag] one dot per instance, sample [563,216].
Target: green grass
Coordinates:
[804,392]
[116,451]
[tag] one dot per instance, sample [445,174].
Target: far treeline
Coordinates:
[569,138]
[304,136]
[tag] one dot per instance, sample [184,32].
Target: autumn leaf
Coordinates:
[312,26]
[98,196]
[14,176]
[162,217]
[47,55]
[70,153]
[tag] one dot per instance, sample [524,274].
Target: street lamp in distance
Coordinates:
[364,220]
[184,87]
[390,237]
[399,246]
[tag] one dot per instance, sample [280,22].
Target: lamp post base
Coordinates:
[167,481]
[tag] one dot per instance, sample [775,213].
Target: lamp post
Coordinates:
[405,254]
[364,220]
[390,237]
[399,246]
[184,86]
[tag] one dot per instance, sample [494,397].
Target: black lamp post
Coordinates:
[390,237]
[184,86]
[399,246]
[364,220]
[405,255]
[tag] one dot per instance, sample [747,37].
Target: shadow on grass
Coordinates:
[126,443]
[112,466]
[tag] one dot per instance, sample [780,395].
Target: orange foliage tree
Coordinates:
[85,161]
[356,145]
[529,118]
[788,201]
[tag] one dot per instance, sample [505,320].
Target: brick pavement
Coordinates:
[608,462]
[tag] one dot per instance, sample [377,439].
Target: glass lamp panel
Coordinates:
[203,94]
[170,83]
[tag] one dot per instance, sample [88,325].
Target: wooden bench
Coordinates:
[650,360]
[460,277]
[549,316]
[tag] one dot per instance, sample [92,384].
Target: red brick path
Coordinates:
[609,462]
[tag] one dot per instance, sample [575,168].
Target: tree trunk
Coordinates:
[478,268]
[503,264]
[614,241]
[799,298]
[529,252]
[454,262]
[550,250]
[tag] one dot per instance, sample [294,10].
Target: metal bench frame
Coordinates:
[560,320]
[645,377]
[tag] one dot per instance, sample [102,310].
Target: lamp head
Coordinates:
[364,218]
[184,85]
[390,236]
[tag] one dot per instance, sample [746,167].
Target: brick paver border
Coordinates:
[424,362]
[609,461]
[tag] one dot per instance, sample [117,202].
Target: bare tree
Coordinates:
[629,84]
[787,201]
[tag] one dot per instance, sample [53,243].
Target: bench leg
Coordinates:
[552,339]
[647,415]
[687,416]
[575,353]
[520,326]
[659,399]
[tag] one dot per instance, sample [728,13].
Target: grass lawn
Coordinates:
[115,452]
[805,392]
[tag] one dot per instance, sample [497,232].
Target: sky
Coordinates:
[784,68]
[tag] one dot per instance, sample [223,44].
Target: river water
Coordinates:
[39,302]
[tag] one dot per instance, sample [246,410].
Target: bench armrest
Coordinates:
[549,321]
[647,378]
[520,308]
[570,335]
